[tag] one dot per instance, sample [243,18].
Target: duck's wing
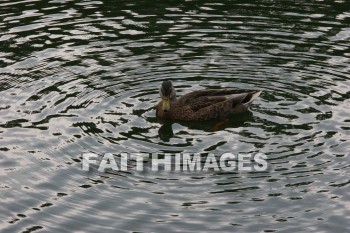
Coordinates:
[190,97]
[209,96]
[213,103]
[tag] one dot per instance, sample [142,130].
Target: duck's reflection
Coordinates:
[165,132]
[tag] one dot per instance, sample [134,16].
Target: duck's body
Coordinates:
[203,105]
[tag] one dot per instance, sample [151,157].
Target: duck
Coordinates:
[203,105]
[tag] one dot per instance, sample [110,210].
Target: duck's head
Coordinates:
[168,93]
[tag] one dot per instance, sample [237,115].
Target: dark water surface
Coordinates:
[83,76]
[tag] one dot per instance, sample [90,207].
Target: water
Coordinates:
[83,76]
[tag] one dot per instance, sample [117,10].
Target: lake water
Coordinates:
[83,76]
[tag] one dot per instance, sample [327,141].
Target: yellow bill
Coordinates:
[165,104]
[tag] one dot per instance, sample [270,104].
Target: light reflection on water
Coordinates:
[83,77]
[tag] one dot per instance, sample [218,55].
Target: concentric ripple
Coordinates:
[83,76]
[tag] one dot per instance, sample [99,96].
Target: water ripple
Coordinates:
[83,77]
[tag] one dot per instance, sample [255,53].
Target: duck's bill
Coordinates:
[165,104]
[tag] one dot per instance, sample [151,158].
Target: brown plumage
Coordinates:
[202,105]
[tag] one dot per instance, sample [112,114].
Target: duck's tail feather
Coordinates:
[242,103]
[250,97]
